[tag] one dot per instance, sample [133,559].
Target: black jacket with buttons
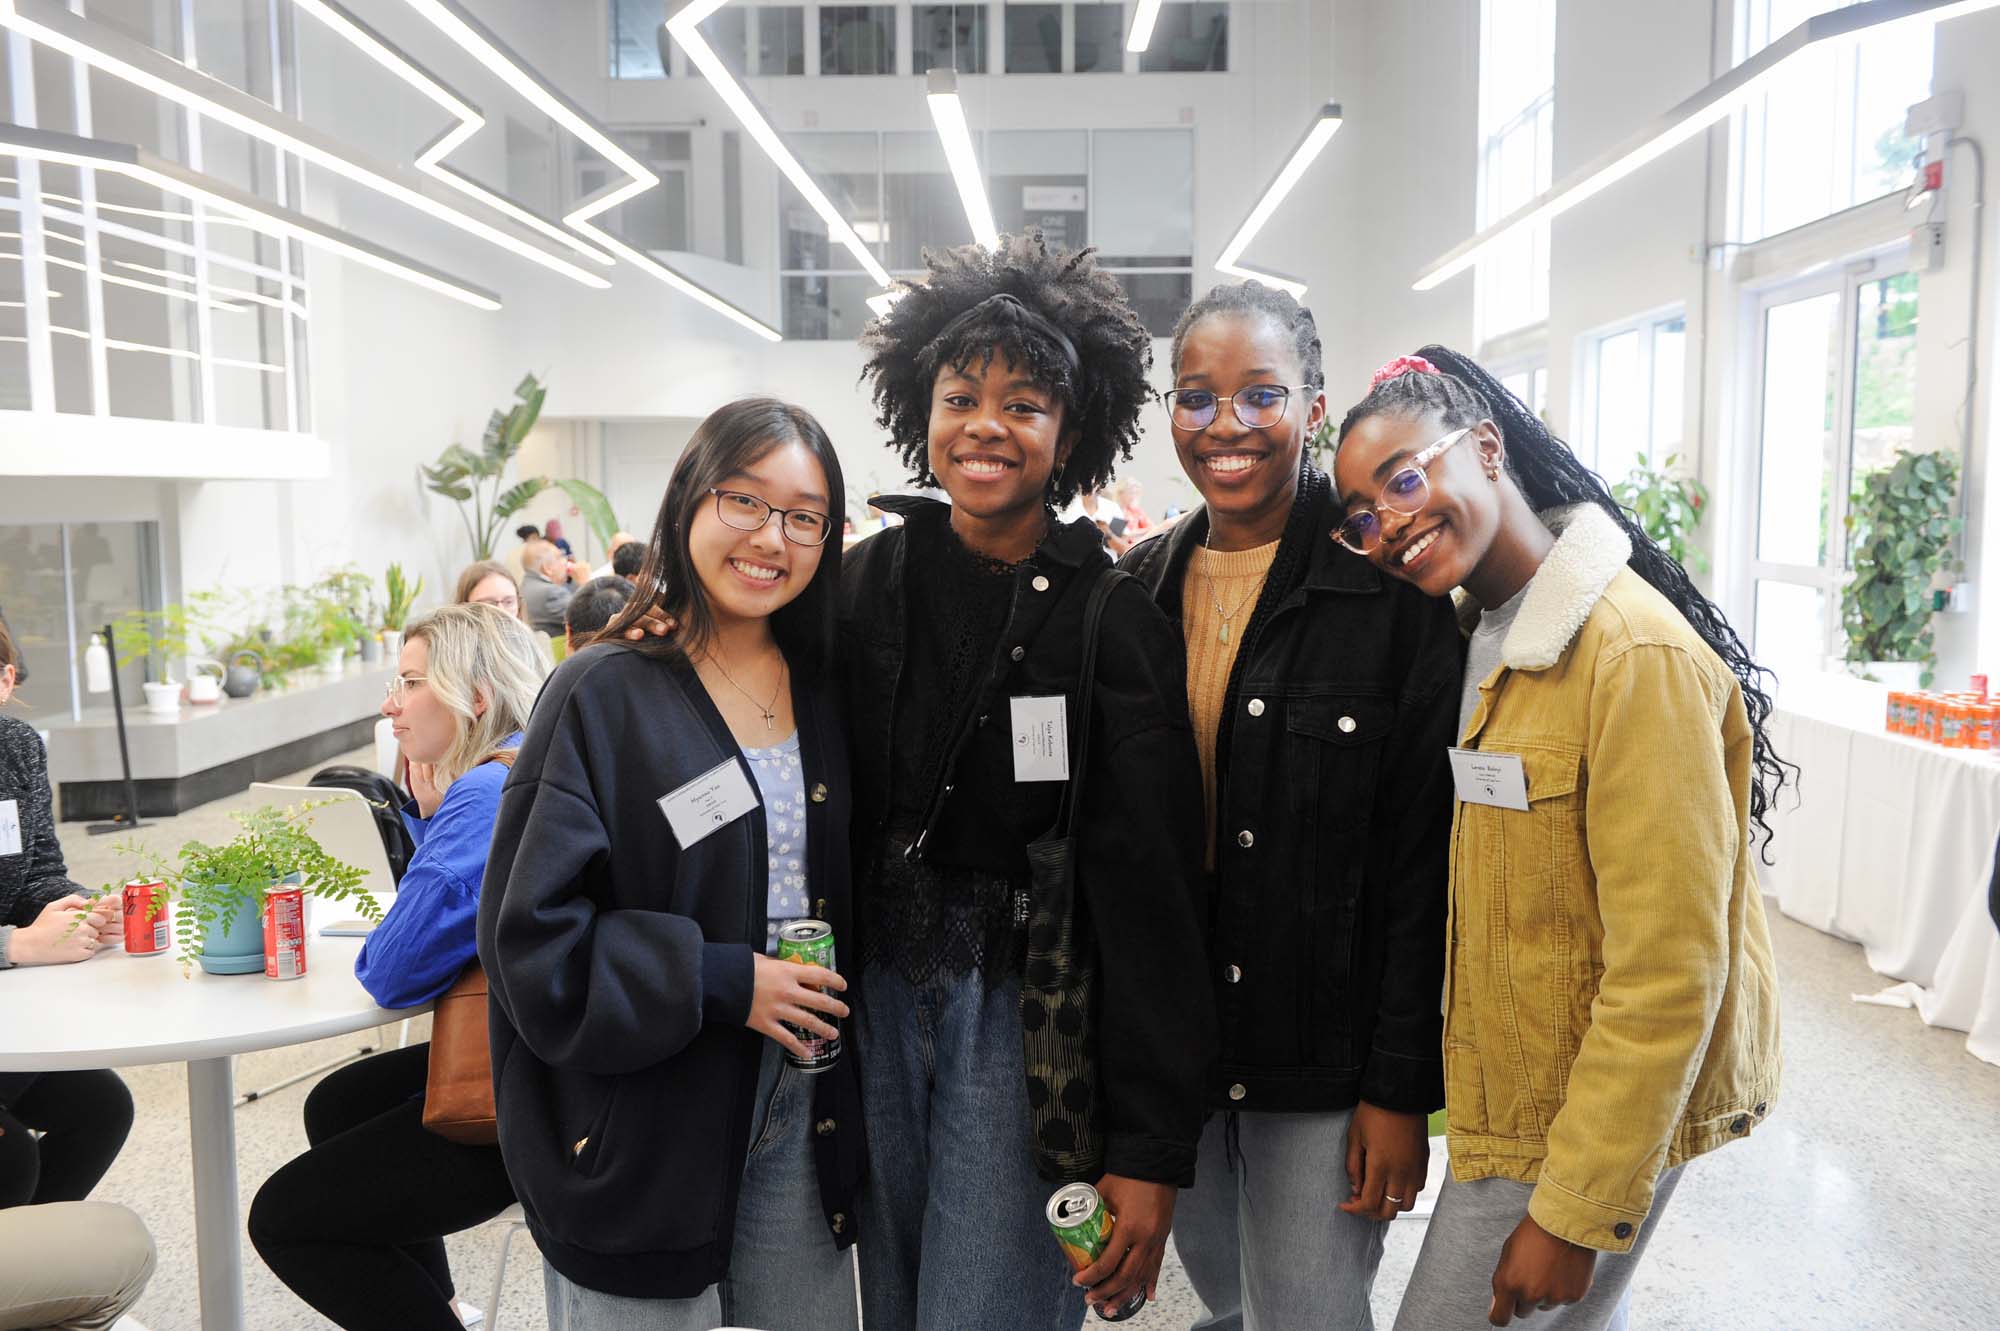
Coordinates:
[1333,819]
[1139,826]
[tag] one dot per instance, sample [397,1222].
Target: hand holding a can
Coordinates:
[787,994]
[66,930]
[1129,1266]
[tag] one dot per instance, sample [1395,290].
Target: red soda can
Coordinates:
[1978,686]
[284,933]
[145,931]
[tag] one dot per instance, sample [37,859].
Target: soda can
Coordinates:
[284,933]
[145,931]
[1082,1226]
[810,943]
[1978,685]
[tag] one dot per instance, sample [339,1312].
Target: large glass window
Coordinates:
[1634,387]
[635,39]
[1041,178]
[1516,133]
[948,36]
[62,583]
[727,32]
[781,40]
[1100,38]
[1034,39]
[823,290]
[1188,38]
[857,39]
[920,204]
[658,218]
[1828,133]
[1144,223]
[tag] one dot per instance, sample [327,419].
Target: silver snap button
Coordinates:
[1040,584]
[1018,653]
[1346,724]
[1233,974]
[1256,707]
[824,1127]
[1245,839]
[819,792]
[1237,1092]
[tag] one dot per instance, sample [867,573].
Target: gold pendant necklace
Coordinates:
[768,709]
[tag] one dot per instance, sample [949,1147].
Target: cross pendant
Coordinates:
[770,720]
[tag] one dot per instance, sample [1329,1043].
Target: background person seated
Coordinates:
[71,1265]
[628,559]
[356,1225]
[488,582]
[619,540]
[595,604]
[551,580]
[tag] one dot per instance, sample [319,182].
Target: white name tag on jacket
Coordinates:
[1041,738]
[10,827]
[1490,778]
[713,800]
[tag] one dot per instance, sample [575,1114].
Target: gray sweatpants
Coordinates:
[1451,1287]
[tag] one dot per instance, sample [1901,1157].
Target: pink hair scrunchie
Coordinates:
[1404,365]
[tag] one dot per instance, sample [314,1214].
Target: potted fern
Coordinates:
[399,596]
[221,889]
[1900,528]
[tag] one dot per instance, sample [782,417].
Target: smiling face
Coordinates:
[1247,476]
[1439,547]
[996,436]
[748,575]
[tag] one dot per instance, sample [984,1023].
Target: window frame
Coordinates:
[1496,127]
[1590,348]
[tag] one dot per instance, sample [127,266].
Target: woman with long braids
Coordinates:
[1611,1010]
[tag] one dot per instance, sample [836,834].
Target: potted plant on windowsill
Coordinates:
[221,890]
[1669,506]
[1900,527]
[399,595]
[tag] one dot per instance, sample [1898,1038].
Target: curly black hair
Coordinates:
[1550,476]
[1252,297]
[1100,377]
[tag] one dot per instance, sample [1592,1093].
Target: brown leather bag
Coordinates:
[458,1095]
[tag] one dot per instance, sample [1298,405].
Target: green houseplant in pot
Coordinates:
[1900,527]
[399,595]
[477,480]
[161,638]
[1669,505]
[222,889]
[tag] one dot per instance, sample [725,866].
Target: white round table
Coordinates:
[122,1011]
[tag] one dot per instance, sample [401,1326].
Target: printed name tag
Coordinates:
[1490,778]
[1041,738]
[712,800]
[10,827]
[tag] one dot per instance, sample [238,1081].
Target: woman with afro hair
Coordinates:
[1013,1038]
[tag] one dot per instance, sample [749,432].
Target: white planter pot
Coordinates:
[334,660]
[204,688]
[1903,676]
[163,698]
[392,645]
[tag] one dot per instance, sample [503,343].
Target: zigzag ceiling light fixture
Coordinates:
[1325,123]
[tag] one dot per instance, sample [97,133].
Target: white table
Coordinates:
[121,1011]
[1889,841]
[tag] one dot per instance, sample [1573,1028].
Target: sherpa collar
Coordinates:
[1590,549]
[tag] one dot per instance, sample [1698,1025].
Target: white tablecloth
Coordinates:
[1889,841]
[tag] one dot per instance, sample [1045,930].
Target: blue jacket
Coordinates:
[429,935]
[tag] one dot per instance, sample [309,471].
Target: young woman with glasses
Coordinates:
[1320,694]
[1610,1004]
[677,801]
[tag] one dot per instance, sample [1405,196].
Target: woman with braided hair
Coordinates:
[1611,1008]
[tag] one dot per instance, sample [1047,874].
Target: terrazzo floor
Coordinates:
[1869,1202]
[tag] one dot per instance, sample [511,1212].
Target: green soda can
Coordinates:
[810,943]
[1083,1226]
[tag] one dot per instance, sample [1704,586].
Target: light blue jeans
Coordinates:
[953,1232]
[1261,1233]
[785,1274]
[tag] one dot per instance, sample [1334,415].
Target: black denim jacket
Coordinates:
[1333,819]
[1139,825]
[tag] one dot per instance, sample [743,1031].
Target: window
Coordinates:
[636,39]
[920,204]
[822,291]
[1100,39]
[64,580]
[1829,132]
[1634,386]
[658,218]
[732,195]
[1034,39]
[1144,223]
[948,36]
[1041,178]
[1837,371]
[1188,38]
[1530,383]
[781,40]
[727,32]
[1516,130]
[857,39]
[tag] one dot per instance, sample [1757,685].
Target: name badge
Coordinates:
[1494,779]
[10,827]
[713,800]
[1041,738]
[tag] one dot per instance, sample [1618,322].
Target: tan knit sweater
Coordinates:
[1232,581]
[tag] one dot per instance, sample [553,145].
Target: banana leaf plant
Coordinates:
[477,481]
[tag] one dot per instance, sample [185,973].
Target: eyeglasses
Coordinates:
[399,685]
[1260,406]
[801,526]
[1406,493]
[511,604]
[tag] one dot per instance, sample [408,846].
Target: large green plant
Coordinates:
[477,481]
[1899,527]
[1669,505]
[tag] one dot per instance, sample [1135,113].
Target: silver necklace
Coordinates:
[1226,615]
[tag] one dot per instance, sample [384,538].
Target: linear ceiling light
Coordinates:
[1325,122]
[1143,18]
[685,28]
[949,114]
[1713,103]
[172,178]
[51,24]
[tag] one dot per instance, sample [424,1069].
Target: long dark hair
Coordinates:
[732,439]
[1550,476]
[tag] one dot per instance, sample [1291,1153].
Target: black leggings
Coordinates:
[355,1225]
[83,1118]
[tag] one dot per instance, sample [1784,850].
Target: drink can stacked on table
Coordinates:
[145,908]
[1965,719]
[284,933]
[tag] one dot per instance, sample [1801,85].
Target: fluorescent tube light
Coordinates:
[1143,19]
[1325,123]
[949,115]
[1695,114]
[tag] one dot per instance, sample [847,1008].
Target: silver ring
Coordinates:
[1397,1200]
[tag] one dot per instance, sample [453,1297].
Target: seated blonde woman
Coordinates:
[356,1225]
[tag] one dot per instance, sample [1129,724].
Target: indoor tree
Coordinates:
[477,481]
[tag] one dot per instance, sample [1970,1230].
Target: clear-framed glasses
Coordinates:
[399,685]
[1405,493]
[746,512]
[1260,406]
[509,603]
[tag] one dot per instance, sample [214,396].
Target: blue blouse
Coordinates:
[427,937]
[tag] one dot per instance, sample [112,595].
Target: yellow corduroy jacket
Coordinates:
[1611,1009]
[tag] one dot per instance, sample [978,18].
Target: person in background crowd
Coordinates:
[627,560]
[619,540]
[488,582]
[552,532]
[524,533]
[677,1172]
[1091,507]
[1321,695]
[355,1226]
[1611,1008]
[82,1117]
[594,606]
[1129,495]
[71,1266]
[552,579]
